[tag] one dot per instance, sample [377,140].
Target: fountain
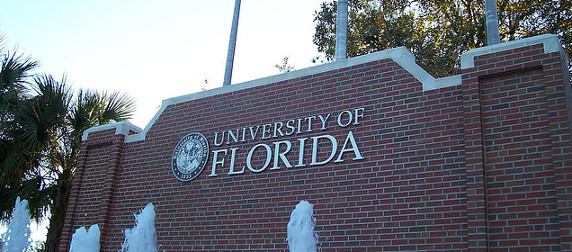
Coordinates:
[17,237]
[85,240]
[142,237]
[301,235]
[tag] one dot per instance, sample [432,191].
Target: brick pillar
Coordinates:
[559,106]
[94,179]
[476,198]
[518,144]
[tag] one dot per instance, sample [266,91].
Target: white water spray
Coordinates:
[142,237]
[301,235]
[17,237]
[85,240]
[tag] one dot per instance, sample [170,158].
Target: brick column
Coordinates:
[476,201]
[94,179]
[559,103]
[518,145]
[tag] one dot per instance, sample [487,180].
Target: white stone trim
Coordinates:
[400,55]
[550,42]
[120,128]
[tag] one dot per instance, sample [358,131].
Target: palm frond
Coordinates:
[31,190]
[84,112]
[44,113]
[15,70]
[94,108]
[119,107]
[10,158]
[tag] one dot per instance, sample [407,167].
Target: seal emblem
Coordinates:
[190,156]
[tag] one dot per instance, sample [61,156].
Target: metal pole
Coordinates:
[342,30]
[492,19]
[231,45]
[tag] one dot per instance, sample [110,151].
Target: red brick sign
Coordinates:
[391,158]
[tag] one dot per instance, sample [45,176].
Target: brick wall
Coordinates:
[474,166]
[518,131]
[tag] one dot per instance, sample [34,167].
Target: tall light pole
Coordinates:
[231,45]
[342,30]
[492,19]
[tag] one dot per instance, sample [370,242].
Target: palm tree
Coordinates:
[15,157]
[89,109]
[40,135]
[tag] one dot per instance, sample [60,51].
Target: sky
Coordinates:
[154,50]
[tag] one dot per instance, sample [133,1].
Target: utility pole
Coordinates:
[492,19]
[231,45]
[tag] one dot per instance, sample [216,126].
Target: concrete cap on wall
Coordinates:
[400,55]
[122,128]
[550,42]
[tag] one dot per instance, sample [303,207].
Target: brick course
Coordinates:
[480,165]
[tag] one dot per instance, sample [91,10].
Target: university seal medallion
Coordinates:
[190,156]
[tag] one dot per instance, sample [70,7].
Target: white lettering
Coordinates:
[340,119]
[278,129]
[243,135]
[354,148]
[291,127]
[216,161]
[309,119]
[232,162]
[324,121]
[231,134]
[268,157]
[322,152]
[301,153]
[358,115]
[281,155]
[216,143]
[315,149]
[266,129]
[253,133]
[299,126]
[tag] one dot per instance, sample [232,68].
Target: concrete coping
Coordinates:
[122,128]
[400,55]
[550,42]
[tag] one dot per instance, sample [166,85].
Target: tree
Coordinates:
[285,67]
[437,32]
[40,135]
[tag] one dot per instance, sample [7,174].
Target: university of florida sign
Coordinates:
[191,153]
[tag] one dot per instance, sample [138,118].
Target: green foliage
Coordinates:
[285,67]
[40,135]
[526,18]
[437,32]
